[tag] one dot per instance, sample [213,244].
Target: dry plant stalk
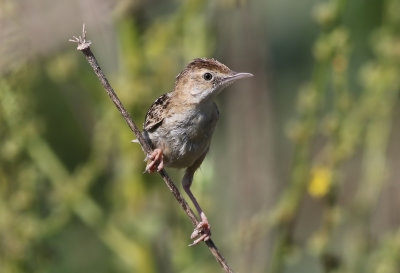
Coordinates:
[84,47]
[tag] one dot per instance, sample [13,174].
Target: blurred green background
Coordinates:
[303,171]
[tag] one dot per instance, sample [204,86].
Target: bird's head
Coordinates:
[205,78]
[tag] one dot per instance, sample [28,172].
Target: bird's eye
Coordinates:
[207,76]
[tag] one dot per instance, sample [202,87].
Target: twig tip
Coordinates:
[81,40]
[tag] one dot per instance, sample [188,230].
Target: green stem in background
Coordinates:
[289,204]
[308,123]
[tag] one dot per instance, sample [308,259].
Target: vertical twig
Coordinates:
[84,47]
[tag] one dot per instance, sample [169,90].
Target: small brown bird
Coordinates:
[179,124]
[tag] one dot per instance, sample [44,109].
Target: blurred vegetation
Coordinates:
[323,109]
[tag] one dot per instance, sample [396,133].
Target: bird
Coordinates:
[179,125]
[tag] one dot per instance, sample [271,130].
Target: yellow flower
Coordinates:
[320,183]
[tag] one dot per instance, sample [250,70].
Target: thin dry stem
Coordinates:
[84,46]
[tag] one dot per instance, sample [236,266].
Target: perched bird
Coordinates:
[179,125]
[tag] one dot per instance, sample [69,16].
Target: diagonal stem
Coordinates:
[84,47]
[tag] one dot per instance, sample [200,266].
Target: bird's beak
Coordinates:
[236,76]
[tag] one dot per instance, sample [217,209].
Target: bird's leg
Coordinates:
[155,162]
[202,230]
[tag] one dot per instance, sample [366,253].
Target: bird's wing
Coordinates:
[156,113]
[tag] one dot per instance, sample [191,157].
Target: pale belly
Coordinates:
[184,138]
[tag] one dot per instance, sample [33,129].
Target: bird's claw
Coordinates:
[202,231]
[156,161]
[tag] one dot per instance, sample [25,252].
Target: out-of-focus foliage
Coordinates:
[73,196]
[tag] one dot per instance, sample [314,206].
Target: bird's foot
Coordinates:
[202,231]
[156,161]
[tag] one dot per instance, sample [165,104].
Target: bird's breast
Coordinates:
[185,135]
